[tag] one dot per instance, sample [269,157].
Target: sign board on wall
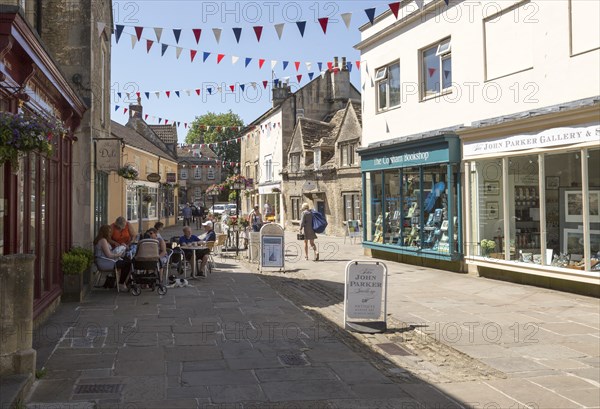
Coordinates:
[108,154]
[365,296]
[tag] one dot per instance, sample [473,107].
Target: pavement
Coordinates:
[244,339]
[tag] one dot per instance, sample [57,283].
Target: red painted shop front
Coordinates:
[36,198]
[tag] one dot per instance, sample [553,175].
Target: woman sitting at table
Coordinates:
[106,259]
[122,232]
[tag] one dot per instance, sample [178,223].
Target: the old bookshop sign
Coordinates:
[546,139]
[398,159]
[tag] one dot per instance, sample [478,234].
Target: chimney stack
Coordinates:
[335,62]
[136,110]
[344,66]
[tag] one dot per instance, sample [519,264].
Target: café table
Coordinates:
[193,247]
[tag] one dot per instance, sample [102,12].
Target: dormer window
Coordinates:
[317,160]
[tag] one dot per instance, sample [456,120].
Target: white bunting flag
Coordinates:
[188,92]
[234,59]
[133,41]
[178,51]
[157,93]
[347,17]
[279,29]
[217,33]
[158,31]
[308,66]
[273,64]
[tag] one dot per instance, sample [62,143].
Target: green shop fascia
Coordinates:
[411,197]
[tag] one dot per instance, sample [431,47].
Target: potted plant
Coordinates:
[74,263]
[487,246]
[23,133]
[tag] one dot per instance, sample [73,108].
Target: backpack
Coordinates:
[318,222]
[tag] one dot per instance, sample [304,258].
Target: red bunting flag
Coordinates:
[138,32]
[166,121]
[220,57]
[198,91]
[168,94]
[149,45]
[265,83]
[299,78]
[395,7]
[197,32]
[258,32]
[193,54]
[329,65]
[261,62]
[124,110]
[297,64]
[232,88]
[323,22]
[357,63]
[137,94]
[145,117]
[431,71]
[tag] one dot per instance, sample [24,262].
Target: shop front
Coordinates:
[411,200]
[533,201]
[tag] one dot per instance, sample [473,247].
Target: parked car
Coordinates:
[218,209]
[232,208]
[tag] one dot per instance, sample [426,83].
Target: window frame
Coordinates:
[442,54]
[183,174]
[347,157]
[295,162]
[295,206]
[210,174]
[198,173]
[355,198]
[384,79]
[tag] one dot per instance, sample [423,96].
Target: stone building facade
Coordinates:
[268,138]
[197,169]
[323,169]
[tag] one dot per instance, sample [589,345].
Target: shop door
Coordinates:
[321,207]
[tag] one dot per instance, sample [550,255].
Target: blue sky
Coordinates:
[136,70]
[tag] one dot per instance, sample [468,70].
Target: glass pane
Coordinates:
[357,205]
[562,171]
[488,209]
[446,72]
[377,207]
[435,209]
[392,206]
[394,85]
[431,71]
[382,88]
[411,211]
[524,209]
[594,187]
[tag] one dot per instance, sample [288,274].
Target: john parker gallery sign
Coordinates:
[546,139]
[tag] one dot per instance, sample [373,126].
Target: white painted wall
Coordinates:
[271,144]
[554,39]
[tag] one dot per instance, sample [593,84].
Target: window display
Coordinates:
[562,242]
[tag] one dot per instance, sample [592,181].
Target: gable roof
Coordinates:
[187,154]
[167,133]
[133,138]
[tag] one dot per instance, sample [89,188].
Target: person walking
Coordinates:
[186,212]
[309,233]
[255,219]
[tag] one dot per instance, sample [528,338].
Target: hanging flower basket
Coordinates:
[128,172]
[21,134]
[236,179]
[215,189]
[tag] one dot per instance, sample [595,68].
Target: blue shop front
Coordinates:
[412,200]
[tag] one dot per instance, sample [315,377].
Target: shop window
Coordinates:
[593,159]
[388,86]
[169,200]
[352,207]
[437,68]
[487,209]
[132,203]
[376,208]
[295,208]
[197,172]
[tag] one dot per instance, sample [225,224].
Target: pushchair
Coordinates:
[146,268]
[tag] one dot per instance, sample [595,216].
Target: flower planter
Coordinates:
[73,288]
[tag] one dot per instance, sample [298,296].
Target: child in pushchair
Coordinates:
[146,268]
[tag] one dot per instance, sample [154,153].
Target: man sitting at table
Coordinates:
[203,254]
[188,239]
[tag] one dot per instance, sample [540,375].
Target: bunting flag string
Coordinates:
[258,30]
[206,54]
